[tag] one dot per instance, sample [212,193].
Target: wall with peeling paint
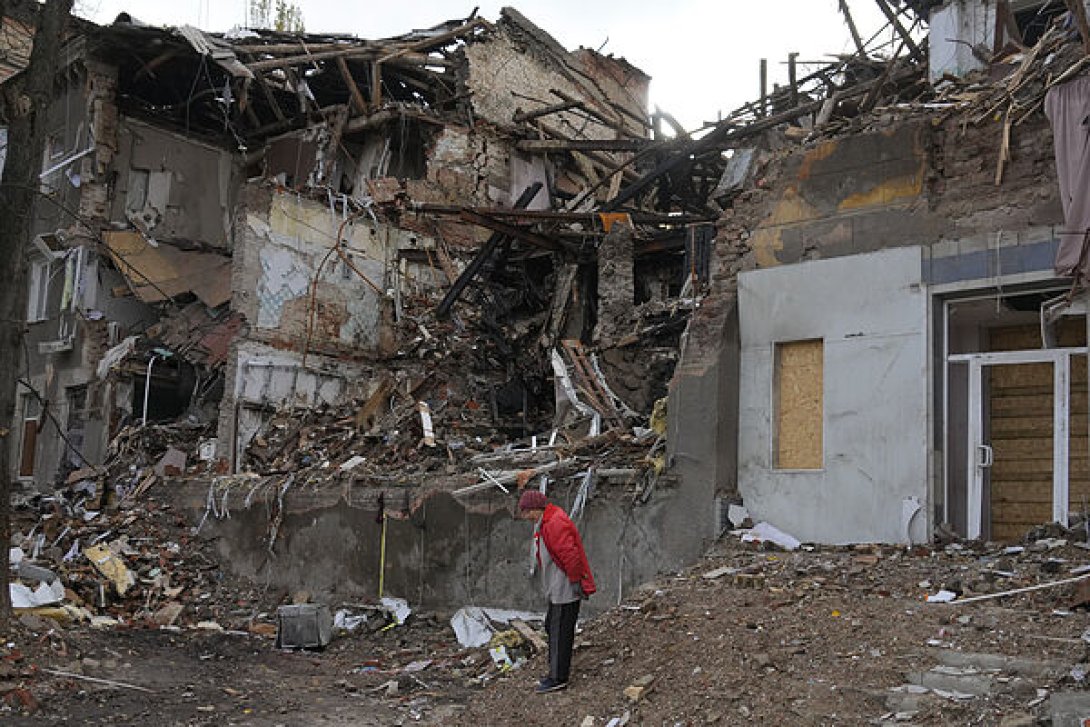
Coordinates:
[299,291]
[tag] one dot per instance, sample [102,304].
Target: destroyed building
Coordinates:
[269,260]
[341,298]
[902,296]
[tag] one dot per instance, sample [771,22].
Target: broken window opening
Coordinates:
[76,426]
[171,389]
[798,405]
[659,277]
[40,283]
[28,447]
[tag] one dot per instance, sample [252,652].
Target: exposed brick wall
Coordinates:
[915,182]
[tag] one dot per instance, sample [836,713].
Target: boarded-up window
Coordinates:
[798,403]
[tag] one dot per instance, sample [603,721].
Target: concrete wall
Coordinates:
[173,187]
[871,312]
[440,552]
[955,28]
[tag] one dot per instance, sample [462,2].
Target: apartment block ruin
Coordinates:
[344,297]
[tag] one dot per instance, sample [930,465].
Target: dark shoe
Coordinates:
[548,684]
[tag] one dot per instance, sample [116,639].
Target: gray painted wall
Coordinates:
[871,311]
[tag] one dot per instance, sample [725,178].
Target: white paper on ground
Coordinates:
[473,624]
[942,596]
[763,531]
[398,607]
[43,595]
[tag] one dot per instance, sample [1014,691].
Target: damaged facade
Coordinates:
[363,289]
[353,263]
[899,300]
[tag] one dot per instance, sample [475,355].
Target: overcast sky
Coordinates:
[703,55]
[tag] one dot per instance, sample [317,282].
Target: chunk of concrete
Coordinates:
[955,680]
[1069,709]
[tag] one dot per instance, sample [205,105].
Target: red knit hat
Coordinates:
[533,500]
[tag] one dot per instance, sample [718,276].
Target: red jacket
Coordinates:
[566,547]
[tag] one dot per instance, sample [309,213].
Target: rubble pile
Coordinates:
[123,560]
[839,634]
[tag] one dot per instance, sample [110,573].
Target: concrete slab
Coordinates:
[1069,709]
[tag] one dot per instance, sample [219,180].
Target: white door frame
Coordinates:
[980,452]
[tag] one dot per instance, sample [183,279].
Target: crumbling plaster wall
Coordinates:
[511,71]
[282,240]
[285,243]
[477,167]
[911,183]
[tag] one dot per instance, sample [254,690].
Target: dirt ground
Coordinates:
[747,636]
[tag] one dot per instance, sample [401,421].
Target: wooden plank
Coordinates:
[555,145]
[1070,332]
[29,447]
[1012,470]
[529,634]
[1004,405]
[353,88]
[1028,447]
[1031,513]
[799,377]
[1010,427]
[1022,376]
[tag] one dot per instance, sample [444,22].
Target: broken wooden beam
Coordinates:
[1078,11]
[410,58]
[616,123]
[847,13]
[485,253]
[353,88]
[763,109]
[537,113]
[648,218]
[727,132]
[793,77]
[437,41]
[508,230]
[555,145]
[891,15]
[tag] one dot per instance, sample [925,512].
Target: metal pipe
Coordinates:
[147,388]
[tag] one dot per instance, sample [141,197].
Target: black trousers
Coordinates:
[560,626]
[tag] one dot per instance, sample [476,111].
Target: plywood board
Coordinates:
[799,398]
[1020,433]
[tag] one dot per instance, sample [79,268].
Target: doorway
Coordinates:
[1016,415]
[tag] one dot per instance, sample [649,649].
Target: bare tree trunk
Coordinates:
[25,101]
